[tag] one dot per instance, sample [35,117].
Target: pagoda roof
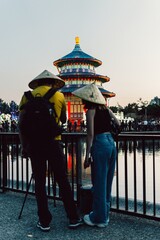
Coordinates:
[70,88]
[83,75]
[78,56]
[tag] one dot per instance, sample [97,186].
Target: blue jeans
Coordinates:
[104,157]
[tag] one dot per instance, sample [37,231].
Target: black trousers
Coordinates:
[55,156]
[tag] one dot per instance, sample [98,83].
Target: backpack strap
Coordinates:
[50,93]
[29,95]
[47,96]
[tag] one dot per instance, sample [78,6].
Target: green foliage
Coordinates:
[141,110]
[8,108]
[131,108]
[153,111]
[114,109]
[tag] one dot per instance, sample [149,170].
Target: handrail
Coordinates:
[130,186]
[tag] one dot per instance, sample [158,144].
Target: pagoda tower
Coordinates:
[77,69]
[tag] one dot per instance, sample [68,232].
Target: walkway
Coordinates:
[120,227]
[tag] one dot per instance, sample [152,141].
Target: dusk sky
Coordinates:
[123,34]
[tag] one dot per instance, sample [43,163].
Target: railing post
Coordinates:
[131,185]
[4,162]
[79,168]
[126,175]
[144,176]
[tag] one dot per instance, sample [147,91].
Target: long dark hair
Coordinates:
[91,105]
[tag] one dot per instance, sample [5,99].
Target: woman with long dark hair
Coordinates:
[100,150]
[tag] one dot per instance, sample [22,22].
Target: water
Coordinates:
[86,179]
[139,171]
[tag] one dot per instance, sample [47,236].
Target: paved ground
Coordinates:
[120,227]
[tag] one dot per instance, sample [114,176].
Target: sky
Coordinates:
[123,34]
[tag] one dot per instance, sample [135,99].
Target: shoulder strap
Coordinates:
[47,96]
[50,93]
[28,95]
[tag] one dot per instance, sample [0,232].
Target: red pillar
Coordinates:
[69,110]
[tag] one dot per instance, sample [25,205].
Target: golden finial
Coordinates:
[77,39]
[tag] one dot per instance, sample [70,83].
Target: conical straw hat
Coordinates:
[47,77]
[90,93]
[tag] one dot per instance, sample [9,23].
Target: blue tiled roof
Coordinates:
[77,55]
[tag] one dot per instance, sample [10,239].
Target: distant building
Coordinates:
[77,69]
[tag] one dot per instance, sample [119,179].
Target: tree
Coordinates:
[8,108]
[4,107]
[114,109]
[131,108]
[13,106]
[153,111]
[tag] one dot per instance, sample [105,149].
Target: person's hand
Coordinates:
[87,163]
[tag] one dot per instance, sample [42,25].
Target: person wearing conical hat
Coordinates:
[100,151]
[46,77]
[90,93]
[40,85]
[53,153]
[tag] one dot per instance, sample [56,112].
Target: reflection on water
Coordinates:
[151,158]
[138,145]
[152,174]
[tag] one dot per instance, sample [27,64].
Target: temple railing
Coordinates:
[136,181]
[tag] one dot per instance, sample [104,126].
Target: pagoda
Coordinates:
[78,69]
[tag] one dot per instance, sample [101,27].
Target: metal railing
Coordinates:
[136,181]
[140,157]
